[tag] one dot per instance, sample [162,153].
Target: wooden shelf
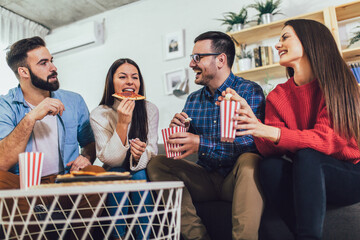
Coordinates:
[270,30]
[265,72]
[329,16]
[265,31]
[351,54]
[347,11]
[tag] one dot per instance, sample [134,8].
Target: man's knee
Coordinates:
[9,180]
[246,163]
[155,166]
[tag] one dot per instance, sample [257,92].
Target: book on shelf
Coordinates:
[257,57]
[270,55]
[263,55]
[355,68]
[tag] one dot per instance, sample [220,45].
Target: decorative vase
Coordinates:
[266,18]
[244,64]
[237,27]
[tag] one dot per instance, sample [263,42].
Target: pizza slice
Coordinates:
[128,95]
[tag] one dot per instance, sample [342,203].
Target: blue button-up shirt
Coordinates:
[213,154]
[73,126]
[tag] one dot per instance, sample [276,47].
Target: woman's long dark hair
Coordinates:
[139,124]
[337,82]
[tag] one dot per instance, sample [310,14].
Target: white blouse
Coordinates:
[109,147]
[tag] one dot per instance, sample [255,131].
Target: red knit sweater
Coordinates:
[300,112]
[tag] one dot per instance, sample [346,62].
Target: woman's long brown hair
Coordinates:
[139,124]
[337,82]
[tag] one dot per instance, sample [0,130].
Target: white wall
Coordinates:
[136,31]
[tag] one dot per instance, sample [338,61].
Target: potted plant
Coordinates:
[235,21]
[268,86]
[266,10]
[355,38]
[244,57]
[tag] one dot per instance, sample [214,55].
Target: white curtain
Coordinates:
[14,27]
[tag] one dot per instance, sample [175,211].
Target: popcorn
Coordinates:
[188,119]
[228,96]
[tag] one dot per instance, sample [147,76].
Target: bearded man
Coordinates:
[38,117]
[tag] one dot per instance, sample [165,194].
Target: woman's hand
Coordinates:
[247,122]
[137,148]
[125,111]
[234,97]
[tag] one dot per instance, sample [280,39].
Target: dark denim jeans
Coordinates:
[114,200]
[300,190]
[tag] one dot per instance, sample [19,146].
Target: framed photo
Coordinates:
[173,78]
[174,45]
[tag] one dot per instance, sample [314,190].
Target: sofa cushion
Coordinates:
[216,216]
[341,223]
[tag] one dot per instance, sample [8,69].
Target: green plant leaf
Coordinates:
[269,6]
[232,18]
[355,38]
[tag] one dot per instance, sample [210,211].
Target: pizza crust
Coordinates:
[113,174]
[83,173]
[97,174]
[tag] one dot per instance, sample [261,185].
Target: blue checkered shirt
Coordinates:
[213,154]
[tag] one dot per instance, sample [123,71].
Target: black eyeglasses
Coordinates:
[197,57]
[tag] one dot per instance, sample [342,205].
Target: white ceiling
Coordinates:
[57,13]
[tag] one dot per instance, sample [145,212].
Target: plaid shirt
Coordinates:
[213,154]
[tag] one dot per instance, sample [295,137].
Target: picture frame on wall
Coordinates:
[174,45]
[173,78]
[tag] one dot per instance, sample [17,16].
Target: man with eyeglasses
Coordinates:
[224,171]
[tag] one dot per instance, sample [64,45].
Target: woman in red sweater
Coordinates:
[314,121]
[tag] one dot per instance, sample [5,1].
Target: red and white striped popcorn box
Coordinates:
[227,112]
[30,166]
[166,132]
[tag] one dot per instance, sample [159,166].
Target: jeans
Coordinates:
[113,201]
[300,190]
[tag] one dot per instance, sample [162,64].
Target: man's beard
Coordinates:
[44,84]
[205,77]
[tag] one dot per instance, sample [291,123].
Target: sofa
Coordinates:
[341,223]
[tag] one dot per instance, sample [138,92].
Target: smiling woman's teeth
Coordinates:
[128,90]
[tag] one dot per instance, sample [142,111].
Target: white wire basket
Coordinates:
[79,211]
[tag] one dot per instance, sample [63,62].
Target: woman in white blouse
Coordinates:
[125,133]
